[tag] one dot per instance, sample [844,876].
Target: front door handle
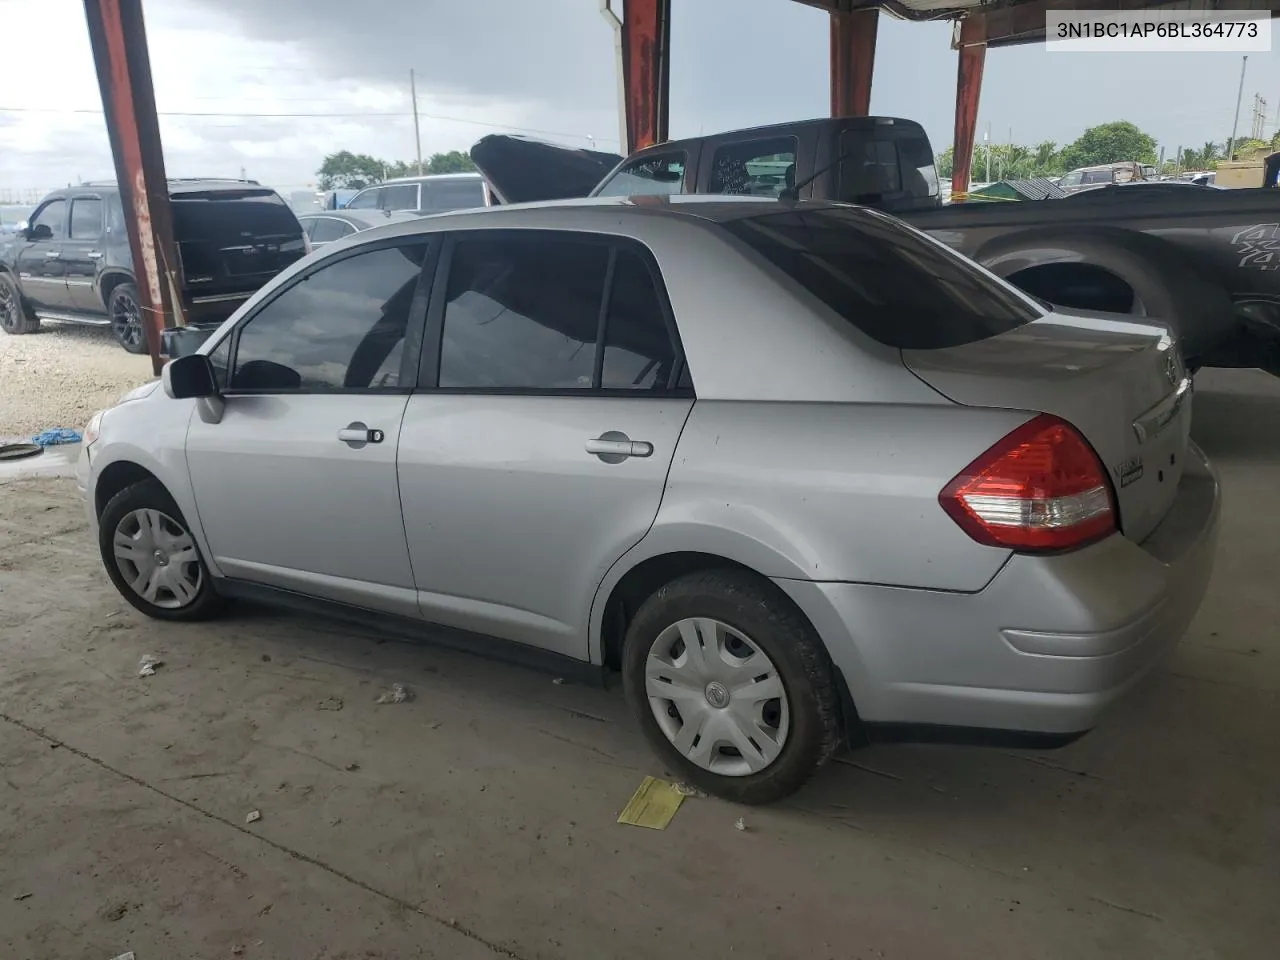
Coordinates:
[614,447]
[94,254]
[357,434]
[52,254]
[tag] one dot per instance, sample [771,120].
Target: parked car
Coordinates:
[435,193]
[72,261]
[1202,260]
[323,228]
[1103,174]
[1205,179]
[799,472]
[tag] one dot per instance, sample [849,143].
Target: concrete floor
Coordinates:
[478,819]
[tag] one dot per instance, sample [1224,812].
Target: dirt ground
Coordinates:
[61,375]
[478,820]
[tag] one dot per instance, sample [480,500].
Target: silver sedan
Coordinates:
[802,475]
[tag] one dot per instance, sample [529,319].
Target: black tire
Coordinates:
[743,602]
[15,318]
[1172,286]
[151,495]
[125,312]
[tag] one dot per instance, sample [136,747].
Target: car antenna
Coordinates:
[792,192]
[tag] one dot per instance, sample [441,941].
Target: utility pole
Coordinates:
[417,135]
[1244,62]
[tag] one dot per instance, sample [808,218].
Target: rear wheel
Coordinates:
[125,312]
[14,317]
[152,557]
[731,686]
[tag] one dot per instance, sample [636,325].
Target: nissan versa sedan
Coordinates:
[801,474]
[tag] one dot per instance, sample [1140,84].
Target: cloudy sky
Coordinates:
[271,86]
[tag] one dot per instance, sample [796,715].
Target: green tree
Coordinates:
[455,161]
[945,162]
[347,170]
[1109,143]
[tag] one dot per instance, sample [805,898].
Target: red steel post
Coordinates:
[971,40]
[853,59]
[119,40]
[646,71]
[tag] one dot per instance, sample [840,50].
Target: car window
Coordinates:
[220,360]
[461,194]
[638,352]
[86,218]
[336,329]
[328,229]
[870,168]
[365,199]
[400,196]
[522,313]
[758,168]
[1096,176]
[651,176]
[52,215]
[915,161]
[891,282]
[1072,179]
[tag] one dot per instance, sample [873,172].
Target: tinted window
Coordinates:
[365,199]
[1072,179]
[522,313]
[328,229]
[400,196]
[919,176]
[648,177]
[233,216]
[1096,176]
[86,218]
[870,168]
[638,352]
[760,168]
[892,283]
[339,328]
[53,216]
[441,195]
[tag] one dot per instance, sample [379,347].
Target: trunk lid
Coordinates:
[523,170]
[1121,384]
[234,241]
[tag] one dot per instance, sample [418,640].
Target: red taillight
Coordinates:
[1040,488]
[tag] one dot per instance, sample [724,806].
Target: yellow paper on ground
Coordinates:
[653,805]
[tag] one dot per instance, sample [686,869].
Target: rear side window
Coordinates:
[400,196]
[895,285]
[1096,176]
[439,196]
[86,218]
[651,176]
[232,216]
[524,313]
[328,229]
[879,167]
[759,168]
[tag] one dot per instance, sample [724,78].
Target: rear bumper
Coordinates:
[1044,647]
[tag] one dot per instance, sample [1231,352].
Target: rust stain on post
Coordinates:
[971,40]
[646,71]
[853,58]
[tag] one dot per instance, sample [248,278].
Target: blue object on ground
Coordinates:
[49,438]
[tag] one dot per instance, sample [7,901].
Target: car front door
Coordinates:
[40,268]
[82,254]
[540,455]
[296,485]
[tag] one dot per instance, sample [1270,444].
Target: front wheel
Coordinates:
[731,686]
[125,312]
[14,317]
[151,556]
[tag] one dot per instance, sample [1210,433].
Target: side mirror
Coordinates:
[189,377]
[41,231]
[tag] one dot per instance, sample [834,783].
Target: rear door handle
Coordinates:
[614,447]
[358,434]
[94,255]
[52,254]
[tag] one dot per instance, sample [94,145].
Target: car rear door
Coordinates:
[82,253]
[295,485]
[536,450]
[41,272]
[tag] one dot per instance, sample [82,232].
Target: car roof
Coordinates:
[180,185]
[468,175]
[782,129]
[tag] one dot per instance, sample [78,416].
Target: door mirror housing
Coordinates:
[41,231]
[189,377]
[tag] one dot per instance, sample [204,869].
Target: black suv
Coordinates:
[72,263]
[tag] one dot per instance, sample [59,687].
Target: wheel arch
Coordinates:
[116,476]
[111,279]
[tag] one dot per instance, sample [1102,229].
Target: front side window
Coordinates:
[52,215]
[889,281]
[522,313]
[328,229]
[86,218]
[1072,179]
[365,199]
[758,168]
[651,176]
[342,327]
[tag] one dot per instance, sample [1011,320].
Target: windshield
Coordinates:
[893,283]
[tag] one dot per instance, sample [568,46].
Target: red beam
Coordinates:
[972,43]
[853,58]
[646,71]
[119,40]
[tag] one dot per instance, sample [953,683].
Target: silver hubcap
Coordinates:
[717,697]
[158,558]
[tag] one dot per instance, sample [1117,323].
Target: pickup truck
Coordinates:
[1205,261]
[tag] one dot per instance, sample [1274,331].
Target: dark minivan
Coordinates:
[71,262]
